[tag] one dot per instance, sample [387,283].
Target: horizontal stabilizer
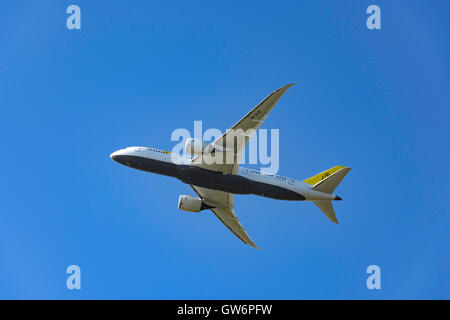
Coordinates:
[326,207]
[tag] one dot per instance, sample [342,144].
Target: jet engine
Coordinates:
[195,146]
[191,204]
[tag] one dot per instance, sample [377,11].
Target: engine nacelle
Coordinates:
[191,204]
[195,146]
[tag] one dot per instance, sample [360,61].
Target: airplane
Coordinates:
[216,182]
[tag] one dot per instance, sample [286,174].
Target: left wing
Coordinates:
[222,204]
[238,136]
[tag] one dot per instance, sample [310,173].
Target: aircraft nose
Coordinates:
[115,155]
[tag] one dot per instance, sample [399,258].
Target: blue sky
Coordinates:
[373,100]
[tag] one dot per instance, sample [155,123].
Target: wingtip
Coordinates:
[335,220]
[284,88]
[252,244]
[289,85]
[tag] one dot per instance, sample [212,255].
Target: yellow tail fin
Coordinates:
[328,180]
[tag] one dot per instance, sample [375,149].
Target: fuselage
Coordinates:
[247,181]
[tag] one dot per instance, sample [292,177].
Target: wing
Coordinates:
[231,145]
[223,203]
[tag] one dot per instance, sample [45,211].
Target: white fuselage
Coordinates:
[181,167]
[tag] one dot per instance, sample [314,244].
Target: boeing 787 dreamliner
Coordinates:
[216,182]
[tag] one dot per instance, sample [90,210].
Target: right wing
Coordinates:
[238,136]
[223,203]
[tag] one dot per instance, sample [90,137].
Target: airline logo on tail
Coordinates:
[326,182]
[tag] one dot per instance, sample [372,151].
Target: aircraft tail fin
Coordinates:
[328,180]
[326,207]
